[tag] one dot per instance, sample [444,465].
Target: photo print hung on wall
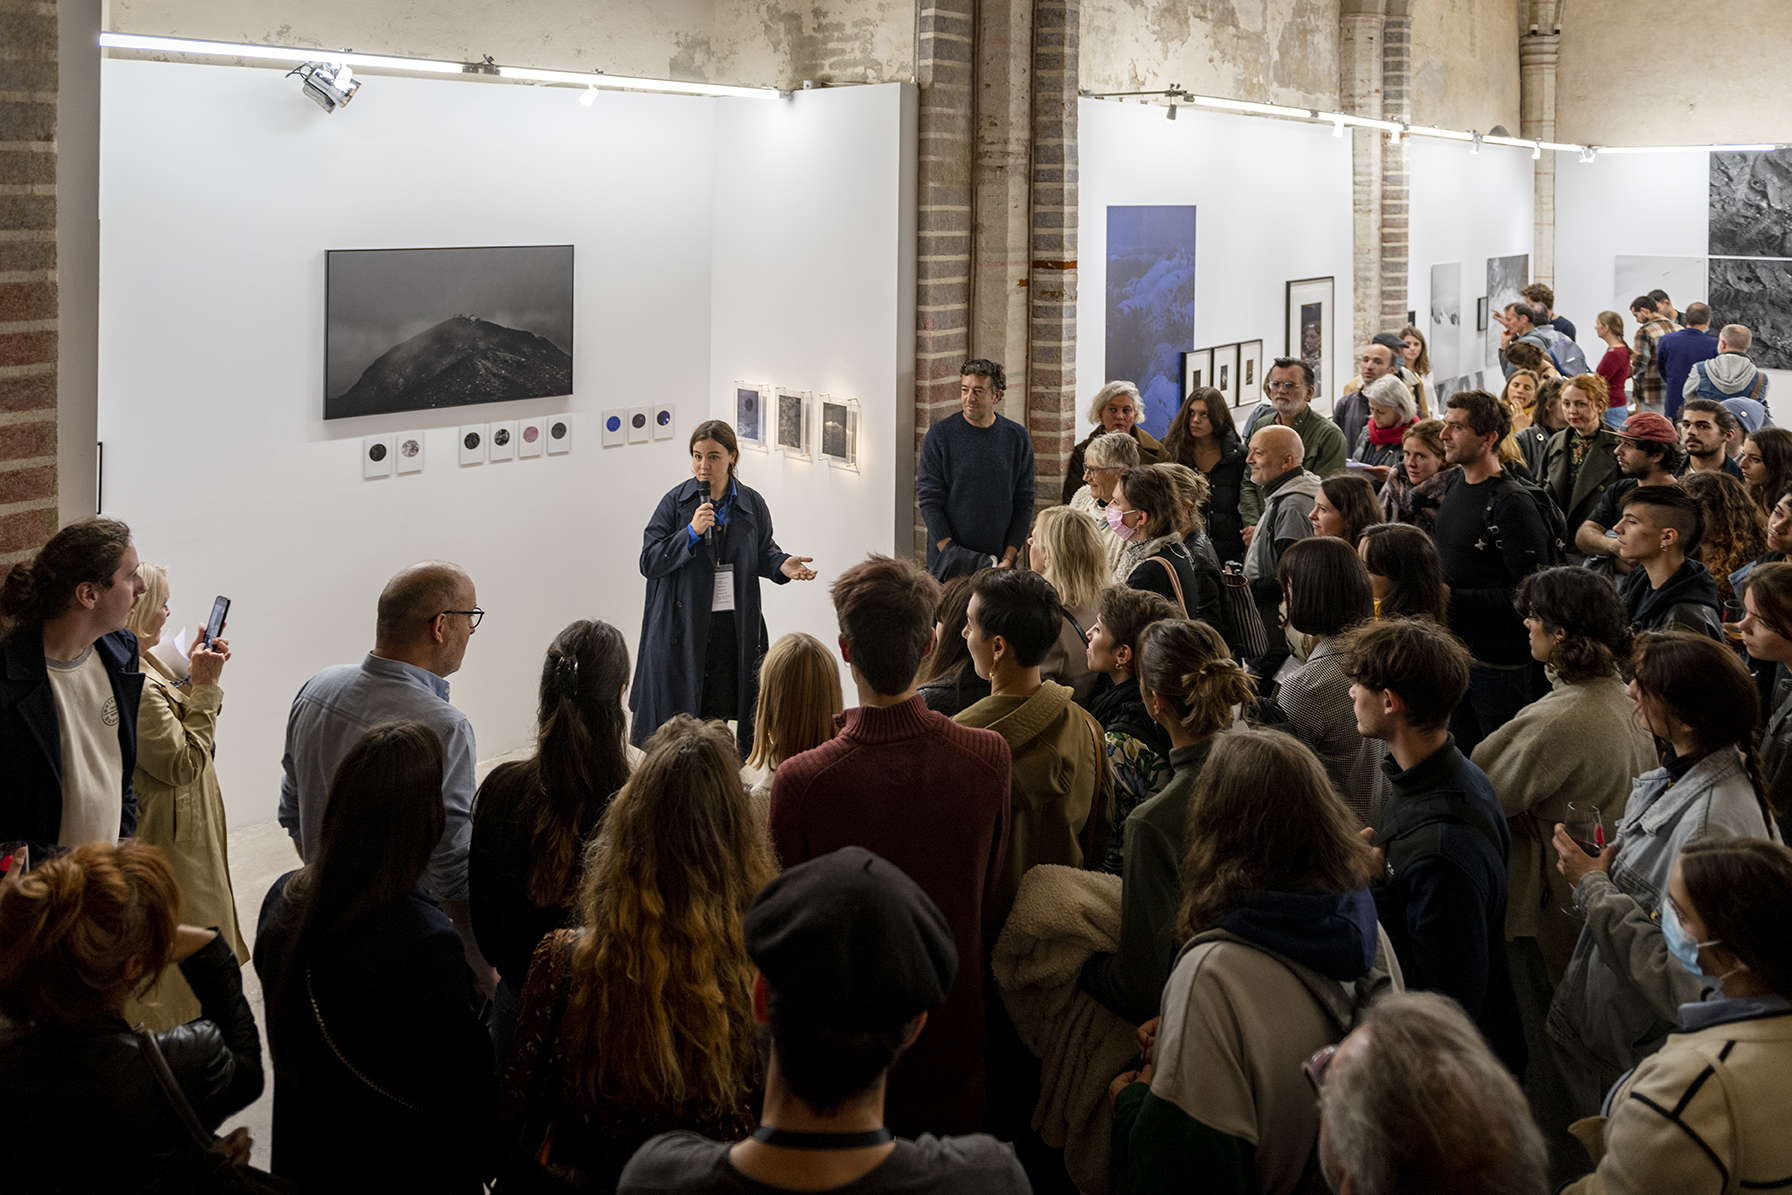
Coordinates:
[1309,331]
[750,414]
[1150,303]
[1506,276]
[839,430]
[426,329]
[1250,373]
[1481,314]
[1225,372]
[1197,371]
[793,422]
[1443,327]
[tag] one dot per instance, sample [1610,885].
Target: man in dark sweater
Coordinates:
[927,794]
[1442,835]
[1490,537]
[1660,524]
[975,479]
[1678,352]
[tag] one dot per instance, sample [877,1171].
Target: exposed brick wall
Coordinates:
[944,49]
[1052,408]
[28,296]
[1359,93]
[1396,104]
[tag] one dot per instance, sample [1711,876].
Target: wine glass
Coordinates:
[1585,827]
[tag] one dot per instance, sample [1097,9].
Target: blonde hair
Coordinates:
[151,600]
[1078,568]
[1188,664]
[799,694]
[659,1008]
[1109,391]
[1191,495]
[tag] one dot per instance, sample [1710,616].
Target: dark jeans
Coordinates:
[721,670]
[1495,694]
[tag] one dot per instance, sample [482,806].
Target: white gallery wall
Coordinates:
[1272,205]
[1465,208]
[221,190]
[1630,205]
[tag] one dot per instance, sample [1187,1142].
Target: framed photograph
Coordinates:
[501,444]
[376,456]
[793,422]
[1225,372]
[639,424]
[409,446]
[1309,332]
[750,414]
[1197,371]
[426,329]
[1481,314]
[838,428]
[1250,373]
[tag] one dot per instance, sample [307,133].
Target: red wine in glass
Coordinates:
[1585,827]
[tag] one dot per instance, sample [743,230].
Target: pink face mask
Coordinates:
[1117,522]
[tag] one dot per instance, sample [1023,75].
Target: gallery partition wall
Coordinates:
[711,239]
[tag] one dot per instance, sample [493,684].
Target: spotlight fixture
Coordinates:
[589,97]
[1588,153]
[327,84]
[1537,151]
[1171,114]
[1475,147]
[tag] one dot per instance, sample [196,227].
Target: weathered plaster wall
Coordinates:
[766,42]
[1708,78]
[1465,63]
[1285,51]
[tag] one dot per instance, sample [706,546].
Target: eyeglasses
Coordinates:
[1285,386]
[1314,1068]
[1088,469]
[473,616]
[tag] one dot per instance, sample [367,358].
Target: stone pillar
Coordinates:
[1360,94]
[944,49]
[1396,104]
[1538,51]
[28,294]
[1052,407]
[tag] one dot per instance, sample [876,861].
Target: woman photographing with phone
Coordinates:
[702,634]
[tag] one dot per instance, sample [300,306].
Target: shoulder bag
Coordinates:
[343,1058]
[1235,592]
[1175,583]
[217,1172]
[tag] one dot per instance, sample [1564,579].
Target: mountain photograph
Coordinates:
[424,329]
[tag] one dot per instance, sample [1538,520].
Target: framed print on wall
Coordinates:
[1225,372]
[1250,373]
[1481,314]
[1197,370]
[838,429]
[1309,331]
[750,415]
[793,422]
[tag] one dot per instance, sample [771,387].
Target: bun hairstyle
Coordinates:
[38,590]
[580,754]
[82,931]
[1188,664]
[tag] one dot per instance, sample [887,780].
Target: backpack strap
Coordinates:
[1344,1004]
[1760,385]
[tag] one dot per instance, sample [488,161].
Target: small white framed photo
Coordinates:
[665,421]
[837,431]
[615,427]
[472,443]
[795,413]
[376,457]
[750,414]
[502,446]
[640,425]
[410,452]
[531,437]
[559,434]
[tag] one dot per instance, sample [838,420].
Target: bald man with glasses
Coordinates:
[1289,389]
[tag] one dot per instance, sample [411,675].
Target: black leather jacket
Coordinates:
[86,1112]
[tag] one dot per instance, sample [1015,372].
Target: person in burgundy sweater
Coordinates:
[927,794]
[1614,367]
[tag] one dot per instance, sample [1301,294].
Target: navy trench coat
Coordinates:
[680,586]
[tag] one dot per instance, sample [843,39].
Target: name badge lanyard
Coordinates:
[723,594]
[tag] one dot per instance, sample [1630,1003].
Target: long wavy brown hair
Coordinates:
[660,1007]
[1735,528]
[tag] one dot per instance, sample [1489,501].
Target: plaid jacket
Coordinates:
[1650,387]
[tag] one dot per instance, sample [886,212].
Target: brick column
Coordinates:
[1360,94]
[1396,104]
[1538,52]
[1002,100]
[28,324]
[1052,412]
[944,52]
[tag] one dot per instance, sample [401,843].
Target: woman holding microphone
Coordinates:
[702,634]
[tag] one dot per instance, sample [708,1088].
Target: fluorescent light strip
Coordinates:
[593,79]
[1208,101]
[219,49]
[1675,149]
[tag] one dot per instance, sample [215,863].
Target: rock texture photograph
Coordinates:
[1751,204]
[1758,295]
[422,329]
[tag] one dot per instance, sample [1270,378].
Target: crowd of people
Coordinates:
[1388,801]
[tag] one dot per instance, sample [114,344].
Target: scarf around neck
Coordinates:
[1384,436]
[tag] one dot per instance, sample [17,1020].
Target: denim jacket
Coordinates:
[1622,991]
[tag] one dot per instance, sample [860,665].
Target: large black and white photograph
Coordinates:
[422,329]
[1751,205]
[1506,276]
[1757,294]
[1683,278]
[1443,331]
